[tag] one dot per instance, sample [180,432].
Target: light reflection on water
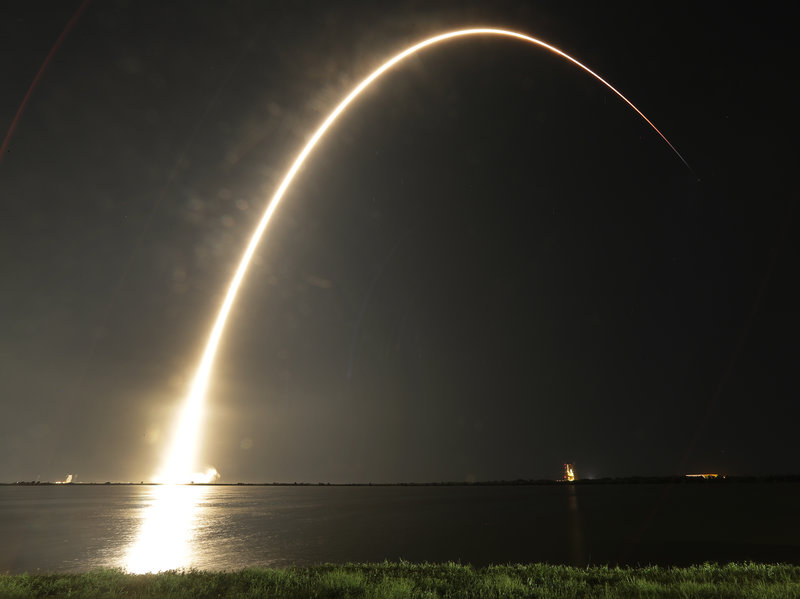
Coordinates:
[168,527]
[578,552]
[73,528]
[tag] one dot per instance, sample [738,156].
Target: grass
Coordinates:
[424,581]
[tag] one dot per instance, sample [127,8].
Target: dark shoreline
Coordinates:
[630,480]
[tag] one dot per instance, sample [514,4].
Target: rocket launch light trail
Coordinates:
[178,467]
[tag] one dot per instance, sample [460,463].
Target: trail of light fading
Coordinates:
[179,463]
[70,24]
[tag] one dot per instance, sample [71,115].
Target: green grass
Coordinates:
[429,581]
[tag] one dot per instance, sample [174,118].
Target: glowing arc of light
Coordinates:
[179,461]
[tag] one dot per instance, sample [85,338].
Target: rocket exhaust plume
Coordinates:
[179,463]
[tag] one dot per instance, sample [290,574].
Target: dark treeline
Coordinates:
[628,480]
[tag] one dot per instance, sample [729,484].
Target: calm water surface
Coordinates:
[143,528]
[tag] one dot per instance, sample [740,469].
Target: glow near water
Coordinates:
[164,538]
[179,465]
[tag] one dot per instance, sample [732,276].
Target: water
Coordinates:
[140,528]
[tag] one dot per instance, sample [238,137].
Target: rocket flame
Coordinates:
[180,459]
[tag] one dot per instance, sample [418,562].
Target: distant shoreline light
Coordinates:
[607,480]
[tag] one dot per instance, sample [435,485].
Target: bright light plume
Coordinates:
[210,475]
[179,463]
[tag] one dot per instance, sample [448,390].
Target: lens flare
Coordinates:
[179,462]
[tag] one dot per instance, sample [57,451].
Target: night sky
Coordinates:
[489,267]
